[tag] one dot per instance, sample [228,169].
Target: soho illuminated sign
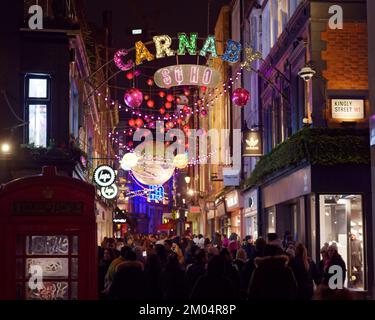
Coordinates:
[104,176]
[187,74]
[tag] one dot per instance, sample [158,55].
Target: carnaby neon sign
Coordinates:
[186,44]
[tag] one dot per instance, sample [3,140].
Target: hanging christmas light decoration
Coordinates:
[133,97]
[139,122]
[170,97]
[162,110]
[150,82]
[150,103]
[181,160]
[130,75]
[161,94]
[168,105]
[131,122]
[240,97]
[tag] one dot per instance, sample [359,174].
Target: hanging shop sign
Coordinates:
[220,209]
[251,203]
[252,144]
[347,109]
[233,201]
[187,74]
[231,177]
[104,176]
[109,192]
[210,214]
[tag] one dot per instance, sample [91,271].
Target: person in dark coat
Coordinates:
[172,280]
[196,269]
[272,278]
[249,247]
[214,286]
[334,259]
[305,272]
[247,270]
[104,264]
[129,281]
[152,274]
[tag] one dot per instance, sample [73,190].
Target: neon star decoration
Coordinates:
[251,56]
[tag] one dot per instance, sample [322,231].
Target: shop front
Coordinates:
[233,202]
[322,205]
[221,218]
[250,214]
[193,218]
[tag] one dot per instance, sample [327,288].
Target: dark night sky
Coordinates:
[159,16]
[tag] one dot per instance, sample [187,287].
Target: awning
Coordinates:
[165,226]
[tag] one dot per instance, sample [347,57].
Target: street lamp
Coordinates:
[190,192]
[187,179]
[5,147]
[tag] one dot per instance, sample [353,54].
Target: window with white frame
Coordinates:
[37,104]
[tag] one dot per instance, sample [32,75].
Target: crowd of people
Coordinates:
[174,268]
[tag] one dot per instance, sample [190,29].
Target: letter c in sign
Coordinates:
[118,60]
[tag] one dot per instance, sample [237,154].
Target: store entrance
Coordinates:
[341,224]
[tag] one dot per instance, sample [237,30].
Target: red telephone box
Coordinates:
[48,235]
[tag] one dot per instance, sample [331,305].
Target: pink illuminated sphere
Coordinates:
[133,98]
[240,97]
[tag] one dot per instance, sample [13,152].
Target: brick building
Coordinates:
[314,178]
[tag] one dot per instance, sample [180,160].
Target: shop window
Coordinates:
[271,220]
[341,222]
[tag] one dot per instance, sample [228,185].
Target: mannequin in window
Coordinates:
[356,261]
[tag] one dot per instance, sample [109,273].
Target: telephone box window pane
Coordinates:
[38,125]
[20,241]
[20,290]
[75,245]
[52,290]
[19,268]
[37,88]
[51,267]
[47,245]
[74,269]
[74,290]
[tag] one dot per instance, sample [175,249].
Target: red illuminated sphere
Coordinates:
[179,121]
[162,110]
[161,94]
[130,75]
[178,100]
[131,122]
[170,98]
[169,124]
[203,88]
[187,92]
[203,113]
[150,82]
[146,97]
[130,143]
[150,103]
[240,97]
[133,98]
[168,105]
[185,108]
[139,122]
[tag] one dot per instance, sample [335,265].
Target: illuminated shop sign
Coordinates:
[252,144]
[347,109]
[104,176]
[187,74]
[109,192]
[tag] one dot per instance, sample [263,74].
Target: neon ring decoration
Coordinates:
[109,192]
[104,176]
